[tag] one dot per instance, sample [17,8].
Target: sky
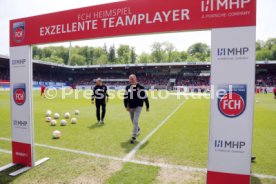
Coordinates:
[12,9]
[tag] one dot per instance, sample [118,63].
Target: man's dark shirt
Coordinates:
[135,96]
[99,93]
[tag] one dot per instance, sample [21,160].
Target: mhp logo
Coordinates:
[18,31]
[229,144]
[233,102]
[19,93]
[233,51]
[217,5]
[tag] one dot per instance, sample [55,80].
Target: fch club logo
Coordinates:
[233,102]
[18,31]
[19,93]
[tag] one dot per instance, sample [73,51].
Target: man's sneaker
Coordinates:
[132,140]
[102,122]
[253,159]
[99,122]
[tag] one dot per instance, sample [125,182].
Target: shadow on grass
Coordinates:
[6,178]
[95,125]
[144,145]
[255,180]
[127,146]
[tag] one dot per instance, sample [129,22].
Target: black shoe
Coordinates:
[132,140]
[253,159]
[139,129]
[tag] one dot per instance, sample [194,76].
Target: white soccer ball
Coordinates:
[67,115]
[77,112]
[63,122]
[48,119]
[53,122]
[56,134]
[48,113]
[56,115]
[74,120]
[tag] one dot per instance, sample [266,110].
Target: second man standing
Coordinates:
[101,96]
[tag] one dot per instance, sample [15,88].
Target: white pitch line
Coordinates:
[161,165]
[81,152]
[72,151]
[4,139]
[168,166]
[263,176]
[136,148]
[5,151]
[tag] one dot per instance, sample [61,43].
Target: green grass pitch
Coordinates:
[182,140]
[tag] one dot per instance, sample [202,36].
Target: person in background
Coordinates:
[265,90]
[101,96]
[274,91]
[42,90]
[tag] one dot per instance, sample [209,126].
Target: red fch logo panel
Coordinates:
[19,93]
[132,17]
[233,103]
[18,31]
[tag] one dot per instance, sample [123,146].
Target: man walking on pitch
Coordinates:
[101,96]
[134,98]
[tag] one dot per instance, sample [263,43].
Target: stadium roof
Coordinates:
[123,65]
[138,65]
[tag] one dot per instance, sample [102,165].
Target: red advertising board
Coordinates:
[21,153]
[132,17]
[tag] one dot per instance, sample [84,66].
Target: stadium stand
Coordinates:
[160,75]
